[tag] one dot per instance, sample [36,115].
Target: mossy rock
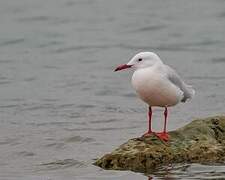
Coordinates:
[201,141]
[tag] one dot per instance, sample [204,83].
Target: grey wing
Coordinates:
[188,91]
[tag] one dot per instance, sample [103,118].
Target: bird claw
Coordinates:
[163,136]
[147,134]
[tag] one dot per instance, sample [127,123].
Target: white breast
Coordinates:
[154,88]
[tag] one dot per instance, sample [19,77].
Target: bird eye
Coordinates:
[139,59]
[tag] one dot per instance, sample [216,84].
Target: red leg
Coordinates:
[149,122]
[165,119]
[164,135]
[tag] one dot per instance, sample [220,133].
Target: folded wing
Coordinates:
[173,77]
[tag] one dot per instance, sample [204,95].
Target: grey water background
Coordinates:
[61,104]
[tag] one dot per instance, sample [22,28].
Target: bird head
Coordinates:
[141,60]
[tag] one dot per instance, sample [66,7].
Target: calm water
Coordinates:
[61,104]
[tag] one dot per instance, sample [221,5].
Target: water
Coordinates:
[61,104]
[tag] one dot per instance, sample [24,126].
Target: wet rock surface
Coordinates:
[201,141]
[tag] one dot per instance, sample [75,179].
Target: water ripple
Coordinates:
[5,82]
[8,106]
[130,95]
[207,77]
[49,123]
[62,164]
[12,42]
[191,171]
[78,48]
[150,28]
[11,141]
[56,145]
[25,154]
[105,121]
[219,60]
[6,61]
[50,44]
[78,139]
[100,129]
[193,46]
[85,106]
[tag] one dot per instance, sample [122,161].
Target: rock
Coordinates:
[201,141]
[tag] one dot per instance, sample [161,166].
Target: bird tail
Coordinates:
[188,93]
[191,91]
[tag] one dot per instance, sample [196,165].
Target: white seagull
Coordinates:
[157,84]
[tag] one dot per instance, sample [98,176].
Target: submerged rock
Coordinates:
[201,141]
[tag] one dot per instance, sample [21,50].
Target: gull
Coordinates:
[157,84]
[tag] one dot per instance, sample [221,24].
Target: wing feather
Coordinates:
[173,77]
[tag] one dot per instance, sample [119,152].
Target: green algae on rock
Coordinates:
[201,141]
